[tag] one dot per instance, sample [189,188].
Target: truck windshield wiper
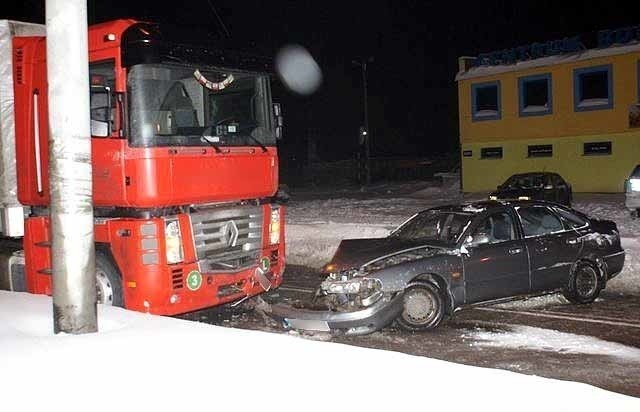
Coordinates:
[215,146]
[259,143]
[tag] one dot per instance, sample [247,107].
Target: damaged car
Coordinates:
[447,258]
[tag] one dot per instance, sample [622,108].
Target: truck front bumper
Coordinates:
[358,322]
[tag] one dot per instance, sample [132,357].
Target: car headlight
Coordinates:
[634,185]
[274,226]
[352,286]
[493,197]
[173,241]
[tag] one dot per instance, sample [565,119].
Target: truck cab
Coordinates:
[185,167]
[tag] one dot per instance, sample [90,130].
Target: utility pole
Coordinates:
[71,214]
[366,134]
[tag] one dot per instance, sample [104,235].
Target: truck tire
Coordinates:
[108,281]
[585,284]
[422,307]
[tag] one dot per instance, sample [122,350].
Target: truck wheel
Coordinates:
[585,284]
[108,281]
[422,307]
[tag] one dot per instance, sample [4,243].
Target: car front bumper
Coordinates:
[632,201]
[358,322]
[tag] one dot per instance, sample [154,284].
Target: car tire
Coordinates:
[108,281]
[585,284]
[422,307]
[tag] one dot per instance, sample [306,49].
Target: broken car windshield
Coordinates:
[181,106]
[446,227]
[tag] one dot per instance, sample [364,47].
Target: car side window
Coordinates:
[538,220]
[495,228]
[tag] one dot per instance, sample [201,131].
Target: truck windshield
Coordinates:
[173,105]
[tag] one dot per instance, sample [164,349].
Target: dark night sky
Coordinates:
[415,44]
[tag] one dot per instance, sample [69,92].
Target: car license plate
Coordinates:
[306,324]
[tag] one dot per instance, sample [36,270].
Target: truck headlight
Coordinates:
[274,226]
[173,240]
[634,185]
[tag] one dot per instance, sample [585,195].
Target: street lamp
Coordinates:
[365,136]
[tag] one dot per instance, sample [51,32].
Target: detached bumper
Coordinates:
[359,322]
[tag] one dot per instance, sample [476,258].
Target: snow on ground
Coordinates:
[316,227]
[547,340]
[144,362]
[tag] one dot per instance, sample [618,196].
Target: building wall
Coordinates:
[566,129]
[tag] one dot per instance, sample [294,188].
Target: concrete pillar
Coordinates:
[72,248]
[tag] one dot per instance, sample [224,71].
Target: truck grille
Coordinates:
[227,239]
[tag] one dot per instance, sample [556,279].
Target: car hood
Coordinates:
[354,253]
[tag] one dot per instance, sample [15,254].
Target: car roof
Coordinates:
[534,174]
[487,205]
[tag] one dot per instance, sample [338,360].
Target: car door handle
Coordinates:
[515,250]
[572,241]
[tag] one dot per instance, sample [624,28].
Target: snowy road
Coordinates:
[597,344]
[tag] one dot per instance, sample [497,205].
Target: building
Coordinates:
[555,106]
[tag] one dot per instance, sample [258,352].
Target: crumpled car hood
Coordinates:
[354,253]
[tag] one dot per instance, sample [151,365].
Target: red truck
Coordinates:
[185,169]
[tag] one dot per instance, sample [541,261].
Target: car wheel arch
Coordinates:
[442,285]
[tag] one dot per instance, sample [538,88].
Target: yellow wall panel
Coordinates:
[566,129]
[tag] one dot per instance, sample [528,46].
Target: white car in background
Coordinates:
[632,188]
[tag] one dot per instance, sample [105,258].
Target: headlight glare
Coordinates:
[173,241]
[274,226]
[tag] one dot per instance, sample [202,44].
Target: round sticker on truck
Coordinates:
[194,280]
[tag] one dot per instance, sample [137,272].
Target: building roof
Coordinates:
[485,71]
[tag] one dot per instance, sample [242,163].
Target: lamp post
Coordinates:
[365,134]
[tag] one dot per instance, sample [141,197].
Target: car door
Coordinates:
[496,265]
[552,249]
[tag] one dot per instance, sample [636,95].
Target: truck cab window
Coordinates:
[103,102]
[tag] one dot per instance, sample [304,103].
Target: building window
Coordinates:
[597,148]
[485,101]
[540,150]
[491,153]
[535,95]
[593,88]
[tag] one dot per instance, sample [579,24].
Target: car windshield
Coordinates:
[446,227]
[172,105]
[524,182]
[636,173]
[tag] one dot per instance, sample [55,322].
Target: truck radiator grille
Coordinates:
[227,239]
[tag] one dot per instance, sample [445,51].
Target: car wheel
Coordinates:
[585,284]
[108,281]
[422,307]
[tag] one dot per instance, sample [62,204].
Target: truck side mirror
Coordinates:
[100,111]
[279,121]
